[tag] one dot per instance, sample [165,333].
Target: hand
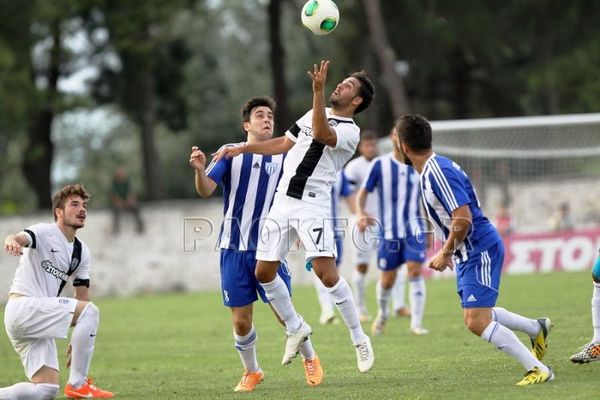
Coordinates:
[12,247]
[319,76]
[364,221]
[227,152]
[197,159]
[441,261]
[69,351]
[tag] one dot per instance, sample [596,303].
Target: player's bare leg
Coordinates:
[327,272]
[417,297]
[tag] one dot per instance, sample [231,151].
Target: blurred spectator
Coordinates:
[123,199]
[561,219]
[505,224]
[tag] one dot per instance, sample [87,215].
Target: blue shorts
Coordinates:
[394,253]
[239,285]
[478,278]
[339,244]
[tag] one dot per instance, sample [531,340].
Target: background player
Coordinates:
[591,351]
[472,242]
[403,241]
[249,183]
[321,142]
[35,314]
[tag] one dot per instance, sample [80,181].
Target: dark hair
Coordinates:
[256,102]
[366,90]
[415,131]
[60,197]
[368,135]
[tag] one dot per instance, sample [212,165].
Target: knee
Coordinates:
[362,268]
[47,391]
[91,312]
[414,271]
[387,281]
[242,325]
[264,273]
[476,325]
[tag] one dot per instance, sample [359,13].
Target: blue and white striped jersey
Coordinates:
[397,187]
[249,182]
[446,187]
[341,188]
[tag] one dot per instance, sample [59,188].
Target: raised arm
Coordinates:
[322,132]
[13,244]
[278,145]
[204,185]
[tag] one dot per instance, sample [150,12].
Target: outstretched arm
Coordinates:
[204,185]
[322,132]
[277,145]
[13,244]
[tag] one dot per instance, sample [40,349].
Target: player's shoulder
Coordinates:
[40,229]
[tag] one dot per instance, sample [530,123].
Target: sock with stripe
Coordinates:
[344,301]
[398,290]
[506,340]
[516,322]
[246,347]
[417,301]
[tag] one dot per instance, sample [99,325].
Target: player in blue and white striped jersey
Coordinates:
[249,182]
[403,241]
[474,245]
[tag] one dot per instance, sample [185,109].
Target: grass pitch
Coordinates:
[181,347]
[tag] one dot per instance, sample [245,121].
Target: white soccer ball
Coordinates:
[320,16]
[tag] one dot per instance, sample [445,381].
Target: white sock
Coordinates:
[324,296]
[344,301]
[246,347]
[82,342]
[359,280]
[383,296]
[596,312]
[417,301]
[506,340]
[29,391]
[398,290]
[279,297]
[516,322]
[306,350]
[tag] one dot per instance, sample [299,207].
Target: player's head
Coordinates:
[257,118]
[367,147]
[413,134]
[69,205]
[355,92]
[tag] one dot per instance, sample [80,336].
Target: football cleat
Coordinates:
[328,318]
[88,391]
[364,317]
[419,331]
[539,344]
[378,325]
[536,376]
[293,342]
[313,371]
[364,355]
[589,353]
[402,312]
[249,381]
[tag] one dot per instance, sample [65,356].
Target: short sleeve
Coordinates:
[373,176]
[85,265]
[217,171]
[295,129]
[348,136]
[351,175]
[36,234]
[448,185]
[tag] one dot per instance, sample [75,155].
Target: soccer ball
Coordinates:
[320,16]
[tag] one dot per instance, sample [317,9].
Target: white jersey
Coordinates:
[356,172]
[45,263]
[311,167]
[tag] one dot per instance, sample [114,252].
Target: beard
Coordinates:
[403,155]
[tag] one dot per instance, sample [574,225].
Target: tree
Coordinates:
[277,58]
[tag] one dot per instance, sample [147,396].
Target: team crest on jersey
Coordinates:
[74,263]
[332,123]
[271,167]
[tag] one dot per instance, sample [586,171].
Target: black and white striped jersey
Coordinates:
[311,167]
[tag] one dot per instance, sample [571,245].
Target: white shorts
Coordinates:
[289,219]
[364,244]
[33,323]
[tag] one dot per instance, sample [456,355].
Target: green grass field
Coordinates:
[181,347]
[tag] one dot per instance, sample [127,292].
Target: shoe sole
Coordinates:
[289,360]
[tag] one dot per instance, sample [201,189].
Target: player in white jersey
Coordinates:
[318,146]
[36,315]
[472,244]
[249,182]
